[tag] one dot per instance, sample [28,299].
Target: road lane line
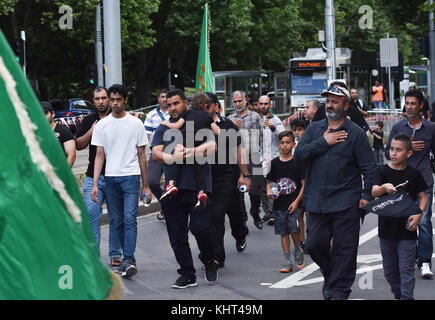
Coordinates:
[292,280]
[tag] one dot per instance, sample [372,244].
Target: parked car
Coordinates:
[71,108]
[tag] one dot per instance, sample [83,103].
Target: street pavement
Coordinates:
[252,274]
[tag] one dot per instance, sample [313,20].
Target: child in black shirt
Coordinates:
[201,120]
[290,177]
[378,143]
[398,244]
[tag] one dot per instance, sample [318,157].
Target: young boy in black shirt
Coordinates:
[398,243]
[201,120]
[378,142]
[290,177]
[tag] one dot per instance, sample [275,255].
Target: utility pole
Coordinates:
[431,53]
[330,39]
[112,42]
[99,47]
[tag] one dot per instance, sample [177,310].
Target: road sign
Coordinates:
[389,53]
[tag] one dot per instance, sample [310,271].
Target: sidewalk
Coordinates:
[79,169]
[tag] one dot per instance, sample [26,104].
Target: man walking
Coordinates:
[152,121]
[179,210]
[230,151]
[422,133]
[62,133]
[95,209]
[337,152]
[120,139]
[251,129]
[272,127]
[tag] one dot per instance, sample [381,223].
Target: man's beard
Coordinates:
[335,115]
[240,109]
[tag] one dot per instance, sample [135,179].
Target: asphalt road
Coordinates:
[253,274]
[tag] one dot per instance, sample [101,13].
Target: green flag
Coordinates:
[47,248]
[204,74]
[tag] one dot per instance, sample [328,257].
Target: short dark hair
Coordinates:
[199,101]
[286,133]
[379,123]
[118,88]
[298,123]
[212,96]
[405,139]
[164,90]
[415,93]
[253,98]
[176,92]
[98,89]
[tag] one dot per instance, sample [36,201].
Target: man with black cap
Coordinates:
[63,134]
[337,152]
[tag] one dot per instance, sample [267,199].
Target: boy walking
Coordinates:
[398,236]
[378,143]
[289,175]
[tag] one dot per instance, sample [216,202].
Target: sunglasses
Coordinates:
[337,90]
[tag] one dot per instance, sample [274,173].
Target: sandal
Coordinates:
[116,262]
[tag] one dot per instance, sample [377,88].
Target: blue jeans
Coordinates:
[95,211]
[398,261]
[122,202]
[425,236]
[377,104]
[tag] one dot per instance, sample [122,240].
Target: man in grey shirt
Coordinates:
[251,130]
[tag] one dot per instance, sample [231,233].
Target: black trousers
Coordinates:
[180,218]
[337,264]
[223,203]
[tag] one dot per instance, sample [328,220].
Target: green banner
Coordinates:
[204,73]
[47,248]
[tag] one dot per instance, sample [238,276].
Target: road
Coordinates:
[253,274]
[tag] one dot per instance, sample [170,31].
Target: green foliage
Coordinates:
[244,34]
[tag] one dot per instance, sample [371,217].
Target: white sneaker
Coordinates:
[425,271]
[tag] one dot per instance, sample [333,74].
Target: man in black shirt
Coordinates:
[63,134]
[226,177]
[94,209]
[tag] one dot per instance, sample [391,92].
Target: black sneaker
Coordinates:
[130,269]
[120,269]
[185,281]
[211,271]
[241,244]
[258,223]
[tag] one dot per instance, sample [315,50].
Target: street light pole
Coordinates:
[112,42]
[99,46]
[432,52]
[330,38]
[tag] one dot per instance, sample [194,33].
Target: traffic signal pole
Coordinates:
[99,47]
[431,53]
[112,42]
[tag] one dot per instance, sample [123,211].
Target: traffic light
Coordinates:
[91,74]
[18,47]
[423,44]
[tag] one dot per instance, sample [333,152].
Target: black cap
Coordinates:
[46,106]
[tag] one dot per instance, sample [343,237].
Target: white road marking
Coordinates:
[295,279]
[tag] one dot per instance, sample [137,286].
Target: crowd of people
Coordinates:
[311,180]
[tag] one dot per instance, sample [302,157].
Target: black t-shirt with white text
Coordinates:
[394,228]
[288,175]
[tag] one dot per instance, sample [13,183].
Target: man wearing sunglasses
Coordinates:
[337,152]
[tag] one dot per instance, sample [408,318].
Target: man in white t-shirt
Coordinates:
[121,139]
